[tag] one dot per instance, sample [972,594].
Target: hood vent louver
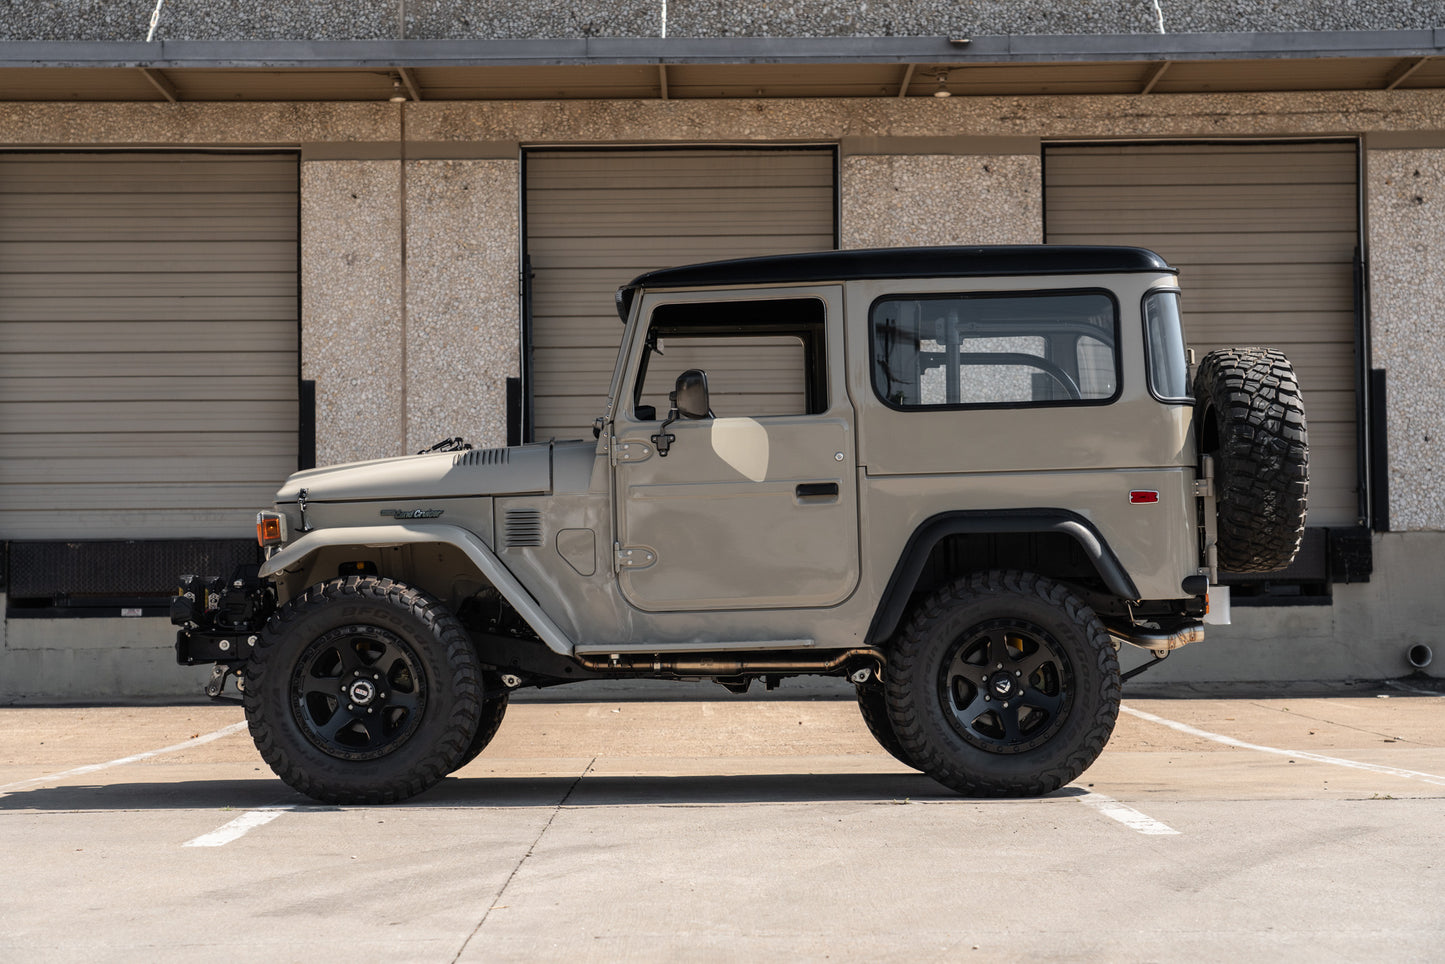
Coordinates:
[523,528]
[483,457]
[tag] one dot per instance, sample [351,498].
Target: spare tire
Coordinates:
[1250,418]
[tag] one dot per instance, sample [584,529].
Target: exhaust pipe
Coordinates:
[731,664]
[1419,655]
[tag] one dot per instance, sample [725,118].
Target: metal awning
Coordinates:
[631,68]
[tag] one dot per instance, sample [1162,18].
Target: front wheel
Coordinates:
[363,690]
[873,706]
[1003,684]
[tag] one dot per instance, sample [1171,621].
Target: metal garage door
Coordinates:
[148,342]
[597,219]
[1265,236]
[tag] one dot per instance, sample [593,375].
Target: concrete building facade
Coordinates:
[357,229]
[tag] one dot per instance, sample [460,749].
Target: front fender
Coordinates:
[381,537]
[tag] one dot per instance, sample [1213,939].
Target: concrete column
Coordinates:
[462,302]
[352,332]
[909,199]
[1407,298]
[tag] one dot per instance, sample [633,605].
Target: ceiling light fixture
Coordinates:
[943,90]
[398,96]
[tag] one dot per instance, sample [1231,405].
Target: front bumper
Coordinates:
[220,620]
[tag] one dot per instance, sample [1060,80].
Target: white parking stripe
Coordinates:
[93,767]
[1125,814]
[1435,779]
[237,828]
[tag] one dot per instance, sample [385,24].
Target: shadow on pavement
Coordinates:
[497,792]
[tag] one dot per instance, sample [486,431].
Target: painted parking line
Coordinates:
[225,731]
[238,828]
[1431,778]
[1125,814]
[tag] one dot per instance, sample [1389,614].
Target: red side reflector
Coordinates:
[1143,497]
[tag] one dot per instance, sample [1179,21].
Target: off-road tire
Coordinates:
[1251,419]
[494,708]
[426,691]
[873,707]
[1013,633]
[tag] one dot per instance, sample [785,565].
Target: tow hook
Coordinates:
[217,683]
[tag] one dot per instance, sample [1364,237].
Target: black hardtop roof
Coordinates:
[964,262]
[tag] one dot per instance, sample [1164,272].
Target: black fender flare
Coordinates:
[937,528]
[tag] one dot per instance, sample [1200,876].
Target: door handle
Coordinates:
[816,490]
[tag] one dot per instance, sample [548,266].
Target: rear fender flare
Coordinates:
[937,528]
[380,537]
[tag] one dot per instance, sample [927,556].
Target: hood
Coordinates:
[520,470]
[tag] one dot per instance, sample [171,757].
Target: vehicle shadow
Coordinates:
[492,792]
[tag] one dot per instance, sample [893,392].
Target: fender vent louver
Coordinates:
[523,528]
[483,457]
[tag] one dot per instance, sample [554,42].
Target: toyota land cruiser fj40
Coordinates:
[960,478]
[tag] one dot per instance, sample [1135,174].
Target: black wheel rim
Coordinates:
[1006,686]
[358,692]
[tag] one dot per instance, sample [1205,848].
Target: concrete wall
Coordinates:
[409,310]
[1406,208]
[461,336]
[907,199]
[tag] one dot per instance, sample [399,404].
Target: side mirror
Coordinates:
[689,398]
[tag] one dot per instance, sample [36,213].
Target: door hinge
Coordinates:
[632,557]
[632,450]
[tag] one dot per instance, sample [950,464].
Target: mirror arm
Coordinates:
[664,439]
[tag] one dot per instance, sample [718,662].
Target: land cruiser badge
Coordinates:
[412,513]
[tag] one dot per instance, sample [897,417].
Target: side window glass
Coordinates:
[761,357]
[1002,350]
[1168,363]
[745,376]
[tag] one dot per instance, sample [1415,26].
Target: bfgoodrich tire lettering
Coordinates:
[363,690]
[1003,684]
[1252,420]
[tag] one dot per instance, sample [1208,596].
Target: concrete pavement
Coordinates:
[1306,828]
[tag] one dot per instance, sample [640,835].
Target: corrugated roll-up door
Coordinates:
[148,342]
[597,219]
[1264,236]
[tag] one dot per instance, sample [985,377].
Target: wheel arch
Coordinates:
[930,536]
[296,565]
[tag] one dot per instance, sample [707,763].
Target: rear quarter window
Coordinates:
[995,350]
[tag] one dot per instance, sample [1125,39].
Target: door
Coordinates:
[148,342]
[755,505]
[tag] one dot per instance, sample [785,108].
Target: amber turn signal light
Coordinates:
[270,528]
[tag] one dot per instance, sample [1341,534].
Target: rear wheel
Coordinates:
[363,690]
[1003,684]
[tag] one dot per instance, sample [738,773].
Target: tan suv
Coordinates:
[959,477]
